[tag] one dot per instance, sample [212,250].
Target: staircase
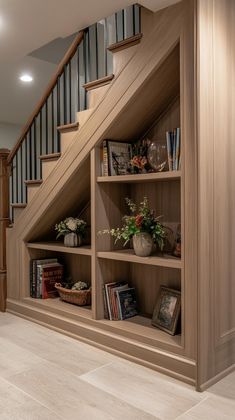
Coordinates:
[118,97]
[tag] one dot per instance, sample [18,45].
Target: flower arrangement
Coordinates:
[71,225]
[142,219]
[139,161]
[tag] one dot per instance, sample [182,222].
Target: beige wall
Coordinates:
[8,135]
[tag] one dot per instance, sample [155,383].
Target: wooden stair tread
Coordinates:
[99,82]
[126,43]
[51,156]
[33,181]
[18,205]
[68,127]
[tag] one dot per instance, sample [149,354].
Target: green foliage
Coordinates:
[142,219]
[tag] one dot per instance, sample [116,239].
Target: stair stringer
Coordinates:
[152,52]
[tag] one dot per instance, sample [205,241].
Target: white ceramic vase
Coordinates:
[72,240]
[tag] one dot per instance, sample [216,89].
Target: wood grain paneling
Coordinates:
[216,99]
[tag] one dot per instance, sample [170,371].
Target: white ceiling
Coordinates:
[27,25]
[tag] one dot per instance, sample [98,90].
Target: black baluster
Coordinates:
[22,184]
[58,114]
[30,153]
[97,51]
[70,92]
[78,81]
[16,181]
[65,94]
[52,122]
[46,111]
[35,148]
[40,131]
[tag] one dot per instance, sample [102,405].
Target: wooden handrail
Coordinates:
[4,223]
[69,54]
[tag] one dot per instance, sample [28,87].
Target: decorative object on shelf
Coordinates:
[80,296]
[139,161]
[142,220]
[73,230]
[116,157]
[143,244]
[173,149]
[157,156]
[167,310]
[177,249]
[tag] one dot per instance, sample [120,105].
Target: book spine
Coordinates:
[119,307]
[48,284]
[169,149]
[177,148]
[106,314]
[108,302]
[105,158]
[34,274]
[174,148]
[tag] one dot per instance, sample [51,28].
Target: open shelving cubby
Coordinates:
[76,260]
[164,192]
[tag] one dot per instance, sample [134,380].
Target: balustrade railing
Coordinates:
[87,59]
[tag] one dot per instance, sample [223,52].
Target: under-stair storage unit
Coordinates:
[159,86]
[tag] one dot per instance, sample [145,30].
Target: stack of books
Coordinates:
[173,149]
[43,276]
[119,301]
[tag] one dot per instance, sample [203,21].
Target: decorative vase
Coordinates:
[157,156]
[72,240]
[143,244]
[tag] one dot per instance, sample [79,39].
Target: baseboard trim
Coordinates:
[218,377]
[172,365]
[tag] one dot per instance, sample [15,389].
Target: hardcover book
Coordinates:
[127,303]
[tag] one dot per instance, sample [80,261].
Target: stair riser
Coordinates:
[47,168]
[95,95]
[83,116]
[66,140]
[31,191]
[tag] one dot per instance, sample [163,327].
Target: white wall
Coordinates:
[9,134]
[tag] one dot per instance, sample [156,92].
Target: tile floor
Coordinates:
[47,376]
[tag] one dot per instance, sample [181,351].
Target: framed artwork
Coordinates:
[119,156]
[167,310]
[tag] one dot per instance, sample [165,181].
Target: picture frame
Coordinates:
[119,156]
[167,310]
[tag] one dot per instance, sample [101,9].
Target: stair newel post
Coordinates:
[4,223]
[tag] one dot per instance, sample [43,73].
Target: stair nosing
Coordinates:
[94,84]
[126,43]
[19,205]
[68,127]
[33,181]
[51,156]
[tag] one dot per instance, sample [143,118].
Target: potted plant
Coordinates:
[142,226]
[73,230]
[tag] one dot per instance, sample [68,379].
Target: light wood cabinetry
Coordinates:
[182,74]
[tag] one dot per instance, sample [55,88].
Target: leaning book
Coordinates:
[127,303]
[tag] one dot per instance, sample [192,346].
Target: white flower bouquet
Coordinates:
[71,225]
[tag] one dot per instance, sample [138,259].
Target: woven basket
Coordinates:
[77,297]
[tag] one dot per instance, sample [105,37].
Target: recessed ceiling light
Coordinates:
[26,78]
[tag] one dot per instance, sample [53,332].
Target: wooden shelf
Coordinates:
[156,176]
[60,307]
[129,256]
[59,247]
[140,326]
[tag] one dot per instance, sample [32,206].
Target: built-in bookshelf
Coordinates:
[100,261]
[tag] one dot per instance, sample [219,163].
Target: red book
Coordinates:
[51,274]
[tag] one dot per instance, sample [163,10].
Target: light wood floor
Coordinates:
[47,376]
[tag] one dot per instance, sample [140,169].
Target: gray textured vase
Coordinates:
[143,244]
[72,240]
